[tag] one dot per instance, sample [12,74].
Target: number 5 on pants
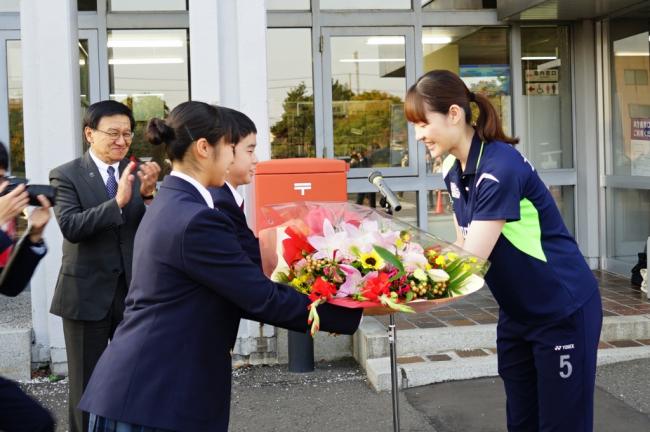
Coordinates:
[549,370]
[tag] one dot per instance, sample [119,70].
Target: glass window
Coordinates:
[365,4]
[15,88]
[84,81]
[287,5]
[563,196]
[16,144]
[628,224]
[480,56]
[290,93]
[458,4]
[86,5]
[630,64]
[546,69]
[148,71]
[441,215]
[409,200]
[146,5]
[10,6]
[84,75]
[368,84]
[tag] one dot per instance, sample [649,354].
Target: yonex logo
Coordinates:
[564,347]
[302,187]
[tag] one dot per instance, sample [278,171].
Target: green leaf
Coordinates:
[55,378]
[390,258]
[281,277]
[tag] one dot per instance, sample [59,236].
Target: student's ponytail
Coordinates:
[440,89]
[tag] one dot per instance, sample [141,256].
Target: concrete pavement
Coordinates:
[337,397]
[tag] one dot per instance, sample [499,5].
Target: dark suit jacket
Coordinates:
[169,364]
[20,267]
[225,201]
[98,239]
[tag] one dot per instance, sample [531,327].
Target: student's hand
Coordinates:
[38,219]
[125,186]
[148,174]
[13,203]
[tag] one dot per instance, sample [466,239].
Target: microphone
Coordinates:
[377,179]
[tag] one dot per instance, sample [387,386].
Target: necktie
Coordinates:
[111,183]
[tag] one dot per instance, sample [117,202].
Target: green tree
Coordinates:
[293,134]
[364,122]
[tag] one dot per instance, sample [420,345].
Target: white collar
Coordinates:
[238,198]
[103,166]
[199,187]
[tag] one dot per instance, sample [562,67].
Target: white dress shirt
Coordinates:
[103,167]
[238,198]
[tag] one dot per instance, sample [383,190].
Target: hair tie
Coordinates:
[472,97]
[188,132]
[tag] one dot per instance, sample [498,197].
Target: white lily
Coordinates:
[330,243]
[438,275]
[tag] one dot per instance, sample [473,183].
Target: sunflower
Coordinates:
[372,260]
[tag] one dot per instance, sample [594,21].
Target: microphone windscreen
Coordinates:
[374,175]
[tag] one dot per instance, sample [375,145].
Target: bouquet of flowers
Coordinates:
[356,256]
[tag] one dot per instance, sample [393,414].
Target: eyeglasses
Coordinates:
[114,135]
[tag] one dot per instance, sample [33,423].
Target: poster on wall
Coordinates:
[491,79]
[640,147]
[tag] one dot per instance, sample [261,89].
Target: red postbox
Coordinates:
[291,180]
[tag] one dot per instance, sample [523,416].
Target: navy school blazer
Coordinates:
[169,365]
[225,201]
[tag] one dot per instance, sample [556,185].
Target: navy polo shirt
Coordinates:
[537,273]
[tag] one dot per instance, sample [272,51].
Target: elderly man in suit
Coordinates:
[99,206]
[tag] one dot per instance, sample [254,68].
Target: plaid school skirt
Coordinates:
[101,424]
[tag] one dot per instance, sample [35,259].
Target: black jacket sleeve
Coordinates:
[19,270]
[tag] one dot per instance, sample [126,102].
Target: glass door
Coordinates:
[88,71]
[11,100]
[366,72]
[11,90]
[627,157]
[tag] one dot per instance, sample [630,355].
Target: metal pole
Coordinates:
[392,335]
[301,352]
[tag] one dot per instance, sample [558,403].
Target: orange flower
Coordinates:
[376,286]
[295,246]
[321,289]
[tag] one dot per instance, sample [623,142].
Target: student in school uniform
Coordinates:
[227,198]
[168,366]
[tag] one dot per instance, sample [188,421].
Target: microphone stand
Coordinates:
[392,341]
[383,202]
